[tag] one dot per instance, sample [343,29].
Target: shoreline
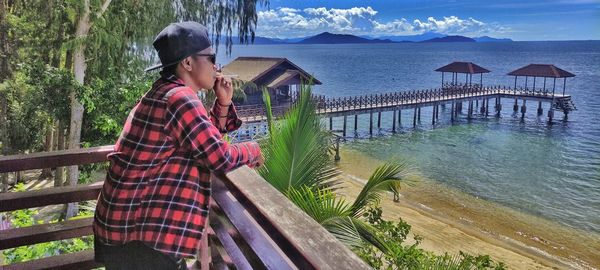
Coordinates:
[451,221]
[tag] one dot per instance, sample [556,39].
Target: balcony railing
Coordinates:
[251,224]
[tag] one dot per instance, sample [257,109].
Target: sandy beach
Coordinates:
[451,221]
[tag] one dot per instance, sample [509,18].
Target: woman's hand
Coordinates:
[223,90]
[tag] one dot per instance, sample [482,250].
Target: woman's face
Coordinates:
[204,70]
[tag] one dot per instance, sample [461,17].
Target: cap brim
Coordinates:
[157,66]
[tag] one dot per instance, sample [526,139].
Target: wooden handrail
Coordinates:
[294,231]
[57,195]
[253,223]
[53,159]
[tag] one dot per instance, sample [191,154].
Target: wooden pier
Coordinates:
[487,99]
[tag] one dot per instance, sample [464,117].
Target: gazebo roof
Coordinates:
[262,69]
[462,67]
[541,70]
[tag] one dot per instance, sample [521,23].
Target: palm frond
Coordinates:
[386,177]
[268,110]
[354,232]
[296,153]
[321,205]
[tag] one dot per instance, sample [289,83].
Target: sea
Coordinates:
[548,171]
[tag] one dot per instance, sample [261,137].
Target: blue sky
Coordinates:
[519,20]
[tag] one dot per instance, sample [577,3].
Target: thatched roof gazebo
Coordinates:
[544,71]
[467,68]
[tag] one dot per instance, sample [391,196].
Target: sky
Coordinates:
[518,20]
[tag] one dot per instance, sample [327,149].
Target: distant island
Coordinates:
[330,38]
[450,39]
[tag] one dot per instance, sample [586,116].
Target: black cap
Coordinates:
[178,41]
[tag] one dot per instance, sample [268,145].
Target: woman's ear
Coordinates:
[186,63]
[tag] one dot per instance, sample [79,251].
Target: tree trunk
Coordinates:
[69,60]
[4,74]
[47,172]
[4,182]
[83,27]
[59,39]
[60,145]
[5,71]
[19,177]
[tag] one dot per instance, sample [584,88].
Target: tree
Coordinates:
[102,43]
[108,33]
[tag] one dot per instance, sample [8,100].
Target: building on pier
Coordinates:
[279,75]
[467,68]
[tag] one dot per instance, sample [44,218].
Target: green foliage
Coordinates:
[40,35]
[26,218]
[401,255]
[24,121]
[294,155]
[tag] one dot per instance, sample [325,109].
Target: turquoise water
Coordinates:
[548,171]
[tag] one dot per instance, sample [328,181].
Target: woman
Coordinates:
[153,206]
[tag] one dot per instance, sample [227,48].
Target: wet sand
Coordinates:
[451,221]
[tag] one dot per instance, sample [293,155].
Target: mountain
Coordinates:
[491,39]
[289,40]
[450,39]
[257,40]
[329,38]
[413,38]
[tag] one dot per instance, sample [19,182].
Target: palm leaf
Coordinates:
[321,205]
[386,177]
[295,153]
[268,110]
[333,213]
[354,232]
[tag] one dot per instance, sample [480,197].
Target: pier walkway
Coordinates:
[453,95]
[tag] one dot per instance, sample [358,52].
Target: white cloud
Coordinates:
[289,22]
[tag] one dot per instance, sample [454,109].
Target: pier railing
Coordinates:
[251,224]
[447,92]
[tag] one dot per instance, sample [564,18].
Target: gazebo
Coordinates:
[278,75]
[544,71]
[467,68]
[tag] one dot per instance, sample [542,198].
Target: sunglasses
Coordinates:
[211,57]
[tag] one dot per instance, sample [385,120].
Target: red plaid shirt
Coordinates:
[157,188]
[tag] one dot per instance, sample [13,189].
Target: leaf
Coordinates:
[386,177]
[296,153]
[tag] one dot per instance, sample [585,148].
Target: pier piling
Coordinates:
[399,117]
[344,127]
[330,123]
[394,121]
[415,118]
[371,123]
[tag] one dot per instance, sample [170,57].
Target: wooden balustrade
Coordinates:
[252,225]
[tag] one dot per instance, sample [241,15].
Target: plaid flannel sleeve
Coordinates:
[232,123]
[189,123]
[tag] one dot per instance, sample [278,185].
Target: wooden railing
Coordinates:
[252,225]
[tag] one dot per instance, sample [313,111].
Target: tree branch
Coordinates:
[104,7]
